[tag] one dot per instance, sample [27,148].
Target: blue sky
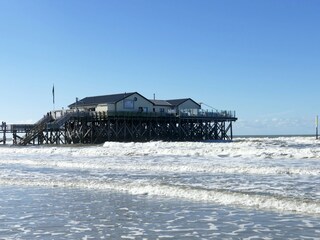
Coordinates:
[260,58]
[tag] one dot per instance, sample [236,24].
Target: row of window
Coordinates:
[129,104]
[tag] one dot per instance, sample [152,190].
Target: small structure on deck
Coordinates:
[125,117]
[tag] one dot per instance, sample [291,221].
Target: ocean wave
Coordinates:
[165,166]
[256,201]
[286,169]
[248,148]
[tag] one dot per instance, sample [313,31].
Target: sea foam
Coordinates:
[281,174]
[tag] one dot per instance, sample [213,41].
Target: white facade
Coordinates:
[134,103]
[161,106]
[162,109]
[188,104]
[102,107]
[86,107]
[188,107]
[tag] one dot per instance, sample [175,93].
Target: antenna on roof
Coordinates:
[154,96]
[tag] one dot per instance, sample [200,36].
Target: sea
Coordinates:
[250,188]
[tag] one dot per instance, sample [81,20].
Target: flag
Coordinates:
[53,93]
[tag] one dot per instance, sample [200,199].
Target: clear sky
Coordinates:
[258,57]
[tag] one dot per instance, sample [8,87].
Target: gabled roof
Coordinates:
[177,102]
[113,98]
[160,103]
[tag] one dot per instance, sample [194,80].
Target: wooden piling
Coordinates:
[99,127]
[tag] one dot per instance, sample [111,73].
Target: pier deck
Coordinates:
[90,127]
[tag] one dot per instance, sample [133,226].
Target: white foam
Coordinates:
[262,148]
[264,202]
[287,169]
[173,167]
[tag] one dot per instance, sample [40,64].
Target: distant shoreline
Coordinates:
[274,135]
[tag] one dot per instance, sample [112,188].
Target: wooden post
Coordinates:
[231,131]
[14,136]
[4,128]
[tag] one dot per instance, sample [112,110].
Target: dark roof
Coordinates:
[113,98]
[160,103]
[177,102]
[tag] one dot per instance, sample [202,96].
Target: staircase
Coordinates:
[59,122]
[49,123]
[36,130]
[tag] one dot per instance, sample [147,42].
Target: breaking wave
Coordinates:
[258,201]
[279,174]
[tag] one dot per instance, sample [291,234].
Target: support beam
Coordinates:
[97,128]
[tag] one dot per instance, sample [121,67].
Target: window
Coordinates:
[128,104]
[162,110]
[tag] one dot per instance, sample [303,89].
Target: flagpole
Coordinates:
[53,100]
